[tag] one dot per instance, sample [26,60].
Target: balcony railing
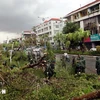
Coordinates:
[94,11]
[89,13]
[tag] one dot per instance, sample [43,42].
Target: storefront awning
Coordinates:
[87,39]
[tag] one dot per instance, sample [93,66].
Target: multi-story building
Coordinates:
[50,27]
[88,17]
[27,34]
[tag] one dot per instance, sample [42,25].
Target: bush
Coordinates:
[92,53]
[29,84]
[59,51]
[98,48]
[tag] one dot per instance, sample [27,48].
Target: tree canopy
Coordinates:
[77,37]
[70,28]
[60,39]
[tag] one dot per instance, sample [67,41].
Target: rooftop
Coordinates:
[96,1]
[52,19]
[28,32]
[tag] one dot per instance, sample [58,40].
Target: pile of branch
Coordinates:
[90,96]
[1,78]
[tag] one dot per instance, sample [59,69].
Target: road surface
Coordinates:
[90,62]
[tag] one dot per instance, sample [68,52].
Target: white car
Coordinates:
[93,49]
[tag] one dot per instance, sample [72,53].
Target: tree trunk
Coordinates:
[89,96]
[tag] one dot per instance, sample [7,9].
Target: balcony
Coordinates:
[94,11]
[88,16]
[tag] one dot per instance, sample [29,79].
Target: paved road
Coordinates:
[90,62]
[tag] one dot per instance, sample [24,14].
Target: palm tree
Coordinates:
[44,39]
[60,39]
[67,44]
[77,37]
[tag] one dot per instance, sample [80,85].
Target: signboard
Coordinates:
[87,39]
[95,37]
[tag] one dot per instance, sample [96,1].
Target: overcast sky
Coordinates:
[19,15]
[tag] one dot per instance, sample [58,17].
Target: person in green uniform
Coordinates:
[97,65]
[83,64]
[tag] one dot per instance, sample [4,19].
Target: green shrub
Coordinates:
[59,51]
[98,48]
[45,93]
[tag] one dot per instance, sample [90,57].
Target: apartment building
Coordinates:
[88,17]
[27,34]
[50,27]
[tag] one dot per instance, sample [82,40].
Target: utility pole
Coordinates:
[11,51]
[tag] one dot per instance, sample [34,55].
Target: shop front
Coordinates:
[87,42]
[95,40]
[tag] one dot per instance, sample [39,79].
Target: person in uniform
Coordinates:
[98,65]
[78,57]
[66,56]
[73,63]
[83,64]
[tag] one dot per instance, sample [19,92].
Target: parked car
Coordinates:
[93,49]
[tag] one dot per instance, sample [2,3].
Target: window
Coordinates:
[45,29]
[99,29]
[50,38]
[84,13]
[56,31]
[38,31]
[50,33]
[95,8]
[49,27]
[57,26]
[99,19]
[76,16]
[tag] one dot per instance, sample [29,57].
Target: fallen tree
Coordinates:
[89,96]
[39,64]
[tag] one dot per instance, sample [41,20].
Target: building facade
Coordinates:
[27,34]
[49,28]
[88,17]
[30,37]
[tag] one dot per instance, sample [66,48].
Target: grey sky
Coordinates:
[19,15]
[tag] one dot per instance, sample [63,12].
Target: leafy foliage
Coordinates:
[43,39]
[50,53]
[30,41]
[70,28]
[98,48]
[29,84]
[77,37]
[60,39]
